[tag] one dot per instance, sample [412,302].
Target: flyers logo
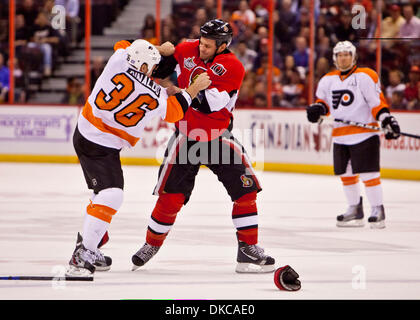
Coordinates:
[343,97]
[195,73]
[218,69]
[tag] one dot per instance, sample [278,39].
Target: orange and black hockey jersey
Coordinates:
[354,96]
[123,101]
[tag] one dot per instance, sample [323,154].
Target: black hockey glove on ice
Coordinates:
[391,125]
[286,278]
[315,111]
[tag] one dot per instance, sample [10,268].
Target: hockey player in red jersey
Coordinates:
[354,94]
[207,126]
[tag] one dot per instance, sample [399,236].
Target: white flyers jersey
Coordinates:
[356,96]
[122,103]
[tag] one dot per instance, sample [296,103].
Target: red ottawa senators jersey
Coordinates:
[211,110]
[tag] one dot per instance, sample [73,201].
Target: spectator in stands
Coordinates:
[98,65]
[262,72]
[72,19]
[323,47]
[200,17]
[415,103]
[244,14]
[397,101]
[411,27]
[74,94]
[149,22]
[293,91]
[344,30]
[45,38]
[289,19]
[252,39]
[4,79]
[322,67]
[245,55]
[260,100]
[391,25]
[210,8]
[263,52]
[246,94]
[411,88]
[29,11]
[22,34]
[394,77]
[260,7]
[301,54]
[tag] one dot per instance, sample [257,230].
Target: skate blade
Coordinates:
[254,268]
[98,268]
[377,225]
[134,267]
[351,224]
[73,271]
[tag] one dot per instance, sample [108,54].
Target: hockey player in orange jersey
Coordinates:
[122,102]
[354,94]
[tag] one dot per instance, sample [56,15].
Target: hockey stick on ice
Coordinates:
[42,278]
[367,126]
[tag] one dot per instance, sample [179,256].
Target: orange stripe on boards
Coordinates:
[350,180]
[346,130]
[100,125]
[372,182]
[101,212]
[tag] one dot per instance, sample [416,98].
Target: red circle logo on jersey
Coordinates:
[195,73]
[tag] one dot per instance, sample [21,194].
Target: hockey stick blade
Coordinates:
[44,278]
[362,125]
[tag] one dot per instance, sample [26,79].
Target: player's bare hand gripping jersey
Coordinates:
[123,101]
[357,97]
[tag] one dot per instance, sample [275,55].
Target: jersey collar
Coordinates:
[345,74]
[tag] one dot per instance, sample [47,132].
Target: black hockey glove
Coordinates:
[286,278]
[391,125]
[315,111]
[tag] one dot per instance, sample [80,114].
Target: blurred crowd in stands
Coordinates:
[39,45]
[40,48]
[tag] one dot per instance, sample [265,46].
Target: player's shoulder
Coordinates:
[329,77]
[229,60]
[368,72]
[188,44]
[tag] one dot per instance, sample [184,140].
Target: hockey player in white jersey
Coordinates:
[354,94]
[122,102]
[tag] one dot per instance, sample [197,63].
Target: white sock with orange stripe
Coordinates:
[99,215]
[351,188]
[373,188]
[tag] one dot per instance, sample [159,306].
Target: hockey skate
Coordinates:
[85,262]
[353,217]
[143,255]
[251,259]
[377,217]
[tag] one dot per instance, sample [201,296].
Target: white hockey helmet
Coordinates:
[142,51]
[344,46]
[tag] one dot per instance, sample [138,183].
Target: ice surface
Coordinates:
[42,208]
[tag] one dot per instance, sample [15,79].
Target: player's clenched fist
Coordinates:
[166,49]
[201,82]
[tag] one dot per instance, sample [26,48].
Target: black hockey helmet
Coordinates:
[218,30]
